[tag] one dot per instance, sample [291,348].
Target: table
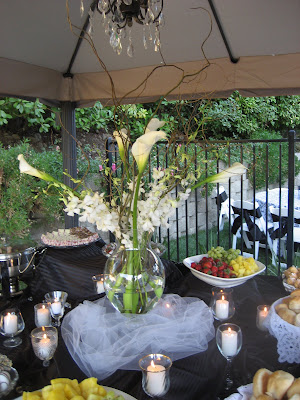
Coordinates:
[198,377]
[276,199]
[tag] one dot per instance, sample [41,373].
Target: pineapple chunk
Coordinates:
[70,391]
[57,394]
[88,383]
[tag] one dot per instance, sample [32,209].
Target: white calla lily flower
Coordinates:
[122,141]
[142,147]
[26,168]
[154,124]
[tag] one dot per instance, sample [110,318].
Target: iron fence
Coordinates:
[195,228]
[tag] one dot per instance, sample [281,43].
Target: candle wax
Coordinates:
[262,315]
[44,347]
[155,379]
[43,317]
[100,287]
[4,382]
[229,343]
[56,307]
[10,323]
[222,308]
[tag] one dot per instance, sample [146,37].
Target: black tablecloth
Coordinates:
[193,378]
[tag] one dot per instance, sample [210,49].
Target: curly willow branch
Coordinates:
[142,85]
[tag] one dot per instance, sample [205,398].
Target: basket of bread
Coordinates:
[291,278]
[276,385]
[283,322]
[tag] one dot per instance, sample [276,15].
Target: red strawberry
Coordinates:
[206,264]
[214,269]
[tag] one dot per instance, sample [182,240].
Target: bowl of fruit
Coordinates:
[224,268]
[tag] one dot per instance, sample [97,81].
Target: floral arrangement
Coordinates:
[133,211]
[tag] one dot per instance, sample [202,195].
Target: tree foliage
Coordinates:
[235,116]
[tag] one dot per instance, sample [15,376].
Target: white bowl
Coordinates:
[215,280]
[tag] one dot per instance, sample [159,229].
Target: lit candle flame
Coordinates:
[266,309]
[44,336]
[43,328]
[168,305]
[223,297]
[152,364]
[229,330]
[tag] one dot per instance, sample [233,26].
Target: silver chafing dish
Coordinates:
[17,258]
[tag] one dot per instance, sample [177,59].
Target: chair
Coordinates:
[224,207]
[249,222]
[279,235]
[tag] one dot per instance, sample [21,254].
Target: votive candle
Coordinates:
[43,316]
[229,342]
[155,378]
[262,313]
[10,323]
[222,308]
[56,307]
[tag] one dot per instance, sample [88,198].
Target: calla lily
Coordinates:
[222,177]
[26,168]
[154,124]
[122,139]
[142,147]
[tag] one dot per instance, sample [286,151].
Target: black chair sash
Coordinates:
[254,231]
[221,198]
[281,231]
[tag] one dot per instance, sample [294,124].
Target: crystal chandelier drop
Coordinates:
[118,17]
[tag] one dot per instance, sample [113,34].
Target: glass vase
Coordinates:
[134,279]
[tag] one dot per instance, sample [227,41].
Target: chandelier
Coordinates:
[118,17]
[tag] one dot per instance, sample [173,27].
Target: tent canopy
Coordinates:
[37,46]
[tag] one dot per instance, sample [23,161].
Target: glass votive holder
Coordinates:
[44,343]
[42,315]
[8,379]
[57,301]
[261,315]
[11,324]
[98,281]
[156,379]
[222,304]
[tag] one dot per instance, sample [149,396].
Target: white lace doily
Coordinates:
[287,335]
[102,340]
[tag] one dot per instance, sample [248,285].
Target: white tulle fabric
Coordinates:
[287,335]
[101,340]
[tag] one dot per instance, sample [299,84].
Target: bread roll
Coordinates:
[297,284]
[281,306]
[286,300]
[297,321]
[294,304]
[294,389]
[264,397]
[260,381]
[292,269]
[295,293]
[278,384]
[287,315]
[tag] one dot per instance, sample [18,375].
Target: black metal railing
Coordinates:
[195,228]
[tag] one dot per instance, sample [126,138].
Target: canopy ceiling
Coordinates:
[37,45]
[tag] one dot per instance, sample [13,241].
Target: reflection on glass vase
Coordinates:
[134,279]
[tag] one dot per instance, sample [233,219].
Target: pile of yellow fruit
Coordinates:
[67,389]
[244,266]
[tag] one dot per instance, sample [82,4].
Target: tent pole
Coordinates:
[69,151]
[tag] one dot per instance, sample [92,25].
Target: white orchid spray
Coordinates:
[136,207]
